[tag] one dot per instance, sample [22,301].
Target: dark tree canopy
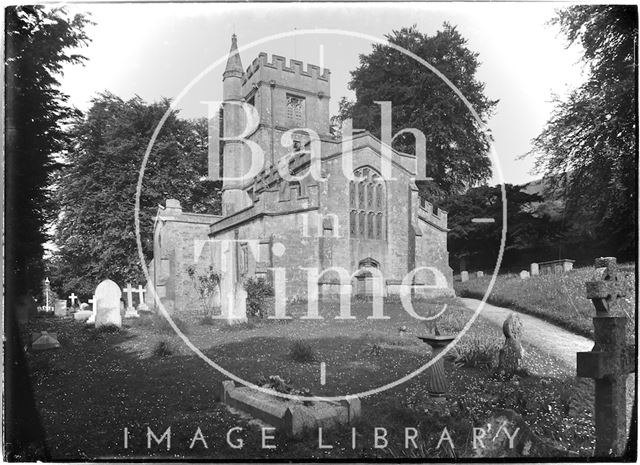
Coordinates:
[457,147]
[39,42]
[589,144]
[96,230]
[477,244]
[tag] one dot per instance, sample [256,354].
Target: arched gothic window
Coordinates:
[367,205]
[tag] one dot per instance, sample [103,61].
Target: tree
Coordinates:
[38,44]
[478,244]
[457,147]
[38,41]
[588,146]
[96,230]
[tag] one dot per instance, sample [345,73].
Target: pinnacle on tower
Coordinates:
[234,64]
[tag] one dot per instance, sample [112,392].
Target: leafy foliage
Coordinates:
[257,290]
[476,351]
[457,147]
[38,44]
[589,144]
[96,230]
[206,284]
[479,243]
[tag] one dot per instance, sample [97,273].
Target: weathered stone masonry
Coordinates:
[336,222]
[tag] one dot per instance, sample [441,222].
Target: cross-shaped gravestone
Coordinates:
[607,362]
[141,291]
[129,291]
[73,298]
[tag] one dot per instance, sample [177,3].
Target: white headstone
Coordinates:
[535,269]
[480,274]
[108,304]
[464,276]
[61,308]
[524,274]
[73,298]
[84,306]
[129,291]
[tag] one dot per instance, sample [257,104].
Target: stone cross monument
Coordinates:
[607,362]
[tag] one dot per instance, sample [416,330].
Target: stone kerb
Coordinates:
[290,416]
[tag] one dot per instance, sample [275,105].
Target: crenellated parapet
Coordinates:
[295,67]
[431,214]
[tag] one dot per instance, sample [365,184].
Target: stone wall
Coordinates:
[178,241]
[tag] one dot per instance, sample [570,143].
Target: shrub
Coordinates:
[301,351]
[258,289]
[162,349]
[207,284]
[476,351]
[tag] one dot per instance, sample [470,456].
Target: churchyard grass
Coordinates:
[557,298]
[91,389]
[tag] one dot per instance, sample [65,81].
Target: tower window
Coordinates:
[296,110]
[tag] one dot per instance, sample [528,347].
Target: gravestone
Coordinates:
[535,269]
[524,274]
[130,310]
[60,308]
[82,315]
[73,299]
[607,362]
[142,305]
[94,310]
[479,274]
[44,340]
[108,296]
[510,358]
[464,276]
[563,265]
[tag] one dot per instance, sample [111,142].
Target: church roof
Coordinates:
[234,64]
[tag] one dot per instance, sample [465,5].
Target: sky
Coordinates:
[158,50]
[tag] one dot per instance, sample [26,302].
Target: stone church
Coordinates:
[308,227]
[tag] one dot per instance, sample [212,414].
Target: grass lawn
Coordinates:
[558,299]
[100,383]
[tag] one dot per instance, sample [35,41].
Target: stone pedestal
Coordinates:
[437,384]
[131,313]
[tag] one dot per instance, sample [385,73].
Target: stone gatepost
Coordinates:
[607,362]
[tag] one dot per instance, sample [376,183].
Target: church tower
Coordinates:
[236,156]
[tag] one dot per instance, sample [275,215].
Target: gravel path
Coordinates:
[557,342]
